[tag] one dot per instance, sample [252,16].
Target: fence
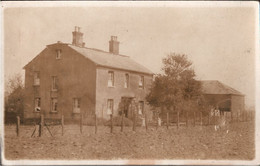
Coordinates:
[94,125]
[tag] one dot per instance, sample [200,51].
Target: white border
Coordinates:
[199,4]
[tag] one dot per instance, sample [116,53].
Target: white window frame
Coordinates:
[58,54]
[76,105]
[54,103]
[36,78]
[141,82]
[141,107]
[110,106]
[37,104]
[111,79]
[54,83]
[126,84]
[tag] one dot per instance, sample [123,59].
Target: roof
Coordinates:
[217,87]
[108,59]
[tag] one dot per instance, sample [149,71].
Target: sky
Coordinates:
[220,41]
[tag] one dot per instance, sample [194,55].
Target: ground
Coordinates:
[183,143]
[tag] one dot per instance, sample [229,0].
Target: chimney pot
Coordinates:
[114,45]
[77,39]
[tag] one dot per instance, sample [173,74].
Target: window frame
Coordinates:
[126,82]
[54,83]
[111,78]
[58,54]
[141,105]
[110,105]
[37,103]
[76,109]
[36,78]
[52,104]
[141,80]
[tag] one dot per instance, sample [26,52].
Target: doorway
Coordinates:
[126,101]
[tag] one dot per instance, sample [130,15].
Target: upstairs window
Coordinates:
[110,106]
[126,81]
[54,83]
[37,104]
[140,107]
[141,82]
[54,105]
[36,80]
[76,105]
[110,82]
[58,54]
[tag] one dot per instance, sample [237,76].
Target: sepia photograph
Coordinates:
[129,83]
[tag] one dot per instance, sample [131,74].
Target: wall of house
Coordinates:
[76,79]
[216,99]
[103,92]
[238,103]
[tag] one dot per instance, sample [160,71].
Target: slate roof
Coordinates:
[107,59]
[217,87]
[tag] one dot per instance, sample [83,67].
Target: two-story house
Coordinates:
[71,79]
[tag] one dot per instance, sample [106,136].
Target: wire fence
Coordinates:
[93,125]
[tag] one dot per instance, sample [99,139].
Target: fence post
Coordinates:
[209,118]
[96,123]
[178,120]
[81,123]
[122,122]
[186,118]
[18,126]
[41,126]
[231,113]
[134,121]
[62,125]
[146,121]
[200,118]
[194,118]
[167,119]
[214,118]
[111,119]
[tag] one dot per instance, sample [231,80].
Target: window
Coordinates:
[126,80]
[110,105]
[54,105]
[54,83]
[141,107]
[110,82]
[36,80]
[58,54]
[76,105]
[141,82]
[37,104]
[37,91]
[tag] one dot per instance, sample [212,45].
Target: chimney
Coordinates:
[114,45]
[77,37]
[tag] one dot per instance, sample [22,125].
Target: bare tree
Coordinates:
[14,98]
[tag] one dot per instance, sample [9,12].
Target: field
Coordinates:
[183,143]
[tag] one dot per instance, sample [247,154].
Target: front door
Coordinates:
[126,102]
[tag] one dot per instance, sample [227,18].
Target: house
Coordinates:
[222,96]
[73,80]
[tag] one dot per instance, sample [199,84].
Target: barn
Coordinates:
[222,96]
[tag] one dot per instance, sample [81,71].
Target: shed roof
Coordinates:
[108,59]
[217,87]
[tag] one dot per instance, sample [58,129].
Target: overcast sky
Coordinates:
[219,40]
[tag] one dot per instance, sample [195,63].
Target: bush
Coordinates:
[118,120]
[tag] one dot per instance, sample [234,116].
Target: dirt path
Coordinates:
[184,143]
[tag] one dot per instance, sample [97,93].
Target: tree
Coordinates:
[176,89]
[14,98]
